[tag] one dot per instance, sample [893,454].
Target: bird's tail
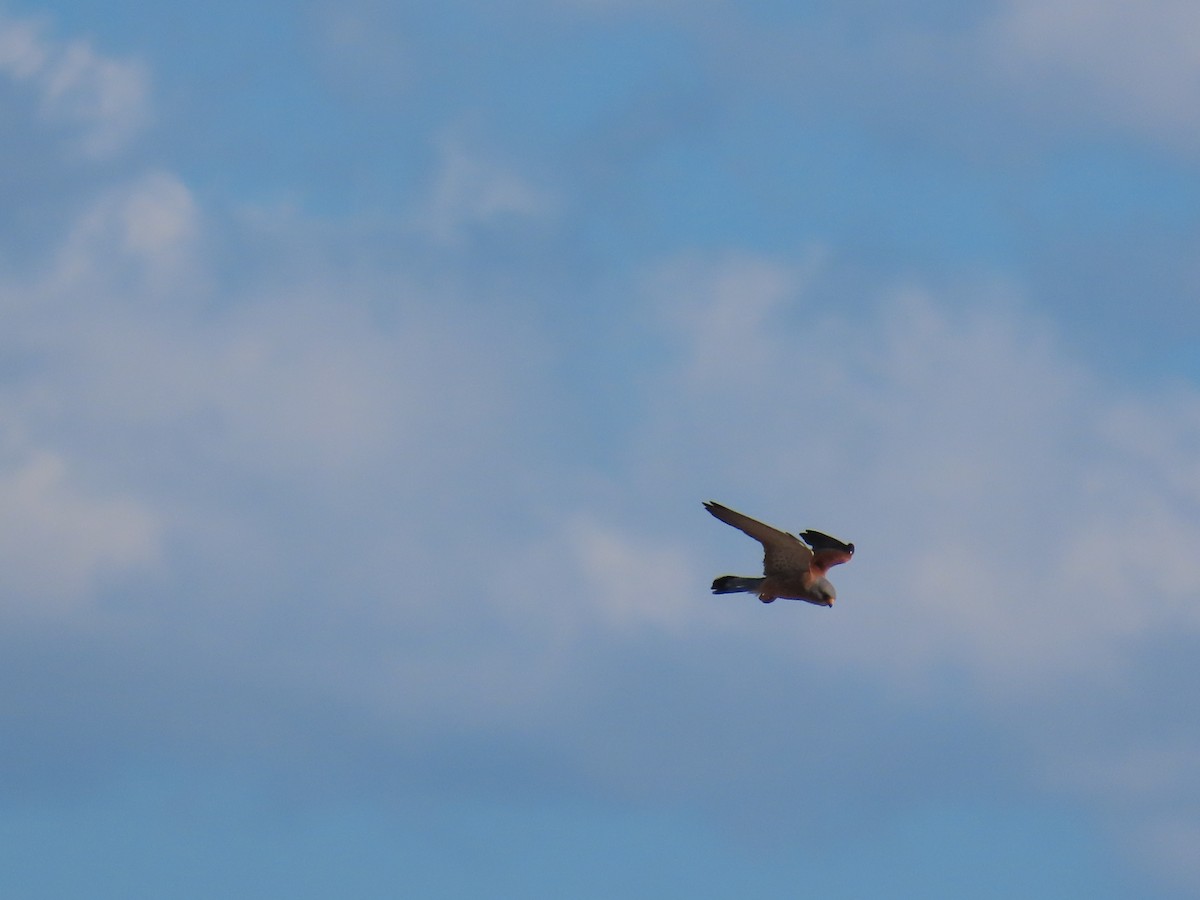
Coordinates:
[734,584]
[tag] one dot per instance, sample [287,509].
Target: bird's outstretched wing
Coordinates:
[827,551]
[782,552]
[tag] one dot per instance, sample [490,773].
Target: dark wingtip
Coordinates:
[818,540]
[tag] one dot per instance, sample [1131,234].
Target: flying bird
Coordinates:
[793,567]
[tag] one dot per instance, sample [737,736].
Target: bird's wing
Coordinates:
[827,551]
[782,552]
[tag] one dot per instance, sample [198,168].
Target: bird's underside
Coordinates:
[793,569]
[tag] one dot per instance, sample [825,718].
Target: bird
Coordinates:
[793,567]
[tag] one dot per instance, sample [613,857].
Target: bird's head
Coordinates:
[825,592]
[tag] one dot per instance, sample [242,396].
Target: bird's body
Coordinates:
[793,569]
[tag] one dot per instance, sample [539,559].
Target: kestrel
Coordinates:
[793,567]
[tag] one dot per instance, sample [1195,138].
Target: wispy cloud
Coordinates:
[1128,64]
[1004,485]
[468,191]
[103,100]
[1021,520]
[59,543]
[986,81]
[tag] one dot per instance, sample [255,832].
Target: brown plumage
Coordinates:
[792,568]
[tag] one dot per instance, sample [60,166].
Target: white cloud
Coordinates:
[729,333]
[58,542]
[364,50]
[1021,521]
[22,53]
[1134,63]
[1005,527]
[633,582]
[469,191]
[350,395]
[986,81]
[296,375]
[142,234]
[106,100]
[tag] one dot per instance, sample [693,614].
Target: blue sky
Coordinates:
[363,368]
